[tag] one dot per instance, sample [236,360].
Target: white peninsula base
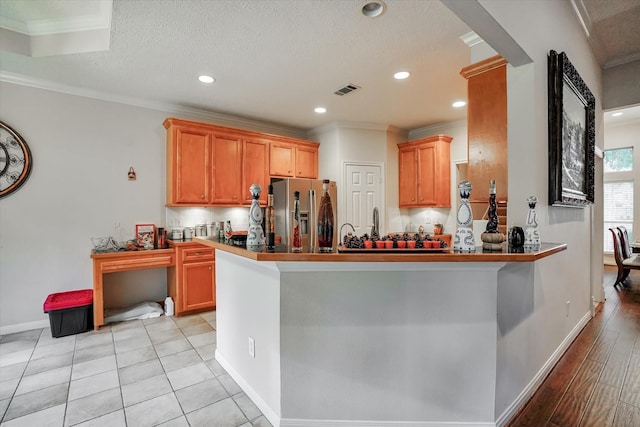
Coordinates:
[376,343]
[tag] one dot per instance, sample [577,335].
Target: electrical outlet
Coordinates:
[568,307]
[252,347]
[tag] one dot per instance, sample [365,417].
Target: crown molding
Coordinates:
[171,109]
[435,129]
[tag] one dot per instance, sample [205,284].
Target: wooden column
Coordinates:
[487,128]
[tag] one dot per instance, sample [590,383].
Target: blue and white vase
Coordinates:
[464,241]
[255,235]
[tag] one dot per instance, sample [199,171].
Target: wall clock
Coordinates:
[15,160]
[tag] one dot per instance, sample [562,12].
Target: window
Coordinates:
[618,193]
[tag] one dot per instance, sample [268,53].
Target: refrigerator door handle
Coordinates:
[312,221]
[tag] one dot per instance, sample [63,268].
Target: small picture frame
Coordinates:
[144,235]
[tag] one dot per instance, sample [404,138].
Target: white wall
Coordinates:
[82,149]
[539,27]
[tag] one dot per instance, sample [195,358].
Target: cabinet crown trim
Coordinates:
[483,66]
[433,138]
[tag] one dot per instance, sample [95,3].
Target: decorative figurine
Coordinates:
[491,238]
[255,236]
[464,241]
[531,235]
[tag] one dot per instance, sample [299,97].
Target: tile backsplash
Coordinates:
[189,217]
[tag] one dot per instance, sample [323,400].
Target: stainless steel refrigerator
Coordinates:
[310,194]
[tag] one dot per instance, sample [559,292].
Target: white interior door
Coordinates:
[364,190]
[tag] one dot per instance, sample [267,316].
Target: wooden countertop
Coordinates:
[370,255]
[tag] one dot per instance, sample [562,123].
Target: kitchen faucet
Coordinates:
[375,229]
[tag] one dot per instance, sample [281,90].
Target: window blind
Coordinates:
[618,209]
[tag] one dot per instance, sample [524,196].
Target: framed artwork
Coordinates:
[571,135]
[145,235]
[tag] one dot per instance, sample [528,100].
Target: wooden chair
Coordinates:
[624,242]
[625,265]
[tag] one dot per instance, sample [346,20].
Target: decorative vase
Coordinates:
[255,236]
[492,238]
[531,235]
[464,241]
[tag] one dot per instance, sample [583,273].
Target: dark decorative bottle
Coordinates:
[296,237]
[270,221]
[325,220]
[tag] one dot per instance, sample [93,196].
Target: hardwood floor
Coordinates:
[597,380]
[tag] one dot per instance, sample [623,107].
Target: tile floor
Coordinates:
[150,372]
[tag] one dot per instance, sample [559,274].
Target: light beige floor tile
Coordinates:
[180,360]
[44,379]
[200,395]
[190,375]
[132,344]
[93,384]
[8,387]
[158,327]
[198,329]
[130,333]
[53,349]
[92,353]
[215,367]
[36,401]
[93,406]
[221,414]
[92,367]
[154,411]
[16,357]
[46,339]
[136,356]
[112,419]
[207,352]
[261,421]
[248,408]
[140,371]
[173,347]
[203,339]
[159,319]
[176,422]
[159,337]
[17,345]
[92,340]
[190,320]
[10,372]
[47,363]
[229,384]
[209,316]
[50,417]
[131,324]
[4,404]
[146,389]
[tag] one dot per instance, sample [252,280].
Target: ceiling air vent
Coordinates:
[347,89]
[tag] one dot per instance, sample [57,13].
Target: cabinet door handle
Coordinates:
[202,196]
[198,254]
[234,197]
[209,268]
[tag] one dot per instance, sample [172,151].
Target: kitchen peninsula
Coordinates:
[355,339]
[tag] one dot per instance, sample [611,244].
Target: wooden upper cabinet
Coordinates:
[425,172]
[292,159]
[227,170]
[282,159]
[487,127]
[209,165]
[255,163]
[408,176]
[306,161]
[188,164]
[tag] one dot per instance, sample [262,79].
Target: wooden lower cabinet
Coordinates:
[193,284]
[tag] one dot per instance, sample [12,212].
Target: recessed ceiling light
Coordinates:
[619,113]
[320,110]
[373,8]
[458,104]
[206,79]
[401,75]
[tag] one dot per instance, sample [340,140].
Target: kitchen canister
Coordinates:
[201,230]
[211,229]
[188,232]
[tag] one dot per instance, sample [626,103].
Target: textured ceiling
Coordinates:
[273,60]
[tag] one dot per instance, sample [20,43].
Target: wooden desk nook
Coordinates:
[123,261]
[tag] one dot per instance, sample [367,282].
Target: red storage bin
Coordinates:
[69,312]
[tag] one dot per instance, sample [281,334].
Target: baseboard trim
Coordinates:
[267,411]
[538,379]
[21,327]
